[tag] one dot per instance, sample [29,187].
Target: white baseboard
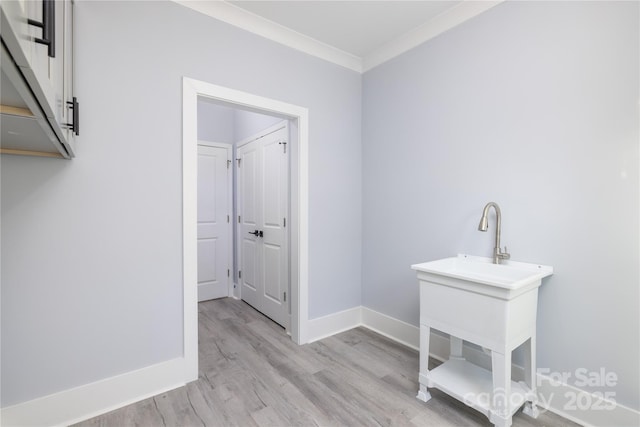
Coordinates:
[332,324]
[84,402]
[583,407]
[392,328]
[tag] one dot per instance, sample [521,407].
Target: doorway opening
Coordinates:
[243,207]
[297,119]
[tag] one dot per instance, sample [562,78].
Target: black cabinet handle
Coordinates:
[48,26]
[75,124]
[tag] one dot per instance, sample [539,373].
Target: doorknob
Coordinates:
[255,233]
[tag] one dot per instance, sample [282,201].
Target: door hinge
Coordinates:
[228,219]
[285,297]
[239,274]
[284,144]
[284,222]
[239,160]
[238,219]
[228,273]
[228,164]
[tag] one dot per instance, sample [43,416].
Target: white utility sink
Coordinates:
[479,274]
[494,306]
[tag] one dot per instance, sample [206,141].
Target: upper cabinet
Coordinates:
[39,110]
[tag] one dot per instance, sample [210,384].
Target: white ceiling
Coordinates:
[358,34]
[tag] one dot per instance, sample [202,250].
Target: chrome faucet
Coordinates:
[498,255]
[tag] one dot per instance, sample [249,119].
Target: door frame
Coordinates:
[299,251]
[230,190]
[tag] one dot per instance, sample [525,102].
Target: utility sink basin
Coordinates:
[480,275]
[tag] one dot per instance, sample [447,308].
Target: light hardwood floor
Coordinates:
[252,374]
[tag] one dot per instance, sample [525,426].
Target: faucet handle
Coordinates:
[505,254]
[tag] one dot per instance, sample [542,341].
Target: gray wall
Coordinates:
[91,248]
[216,123]
[533,105]
[248,123]
[220,123]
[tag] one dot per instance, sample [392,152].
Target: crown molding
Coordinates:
[443,22]
[256,24]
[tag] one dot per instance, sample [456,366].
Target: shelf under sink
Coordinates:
[473,385]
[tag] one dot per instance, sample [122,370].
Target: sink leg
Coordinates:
[530,378]
[531,410]
[456,348]
[425,334]
[530,362]
[423,393]
[499,421]
[500,399]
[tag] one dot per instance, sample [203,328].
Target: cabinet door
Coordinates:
[60,75]
[68,69]
[43,73]
[51,83]
[39,59]
[56,70]
[17,34]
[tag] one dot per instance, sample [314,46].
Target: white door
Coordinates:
[263,203]
[214,211]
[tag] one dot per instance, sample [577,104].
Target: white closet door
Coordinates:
[263,203]
[214,238]
[274,206]
[249,197]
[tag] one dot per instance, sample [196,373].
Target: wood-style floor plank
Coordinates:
[252,374]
